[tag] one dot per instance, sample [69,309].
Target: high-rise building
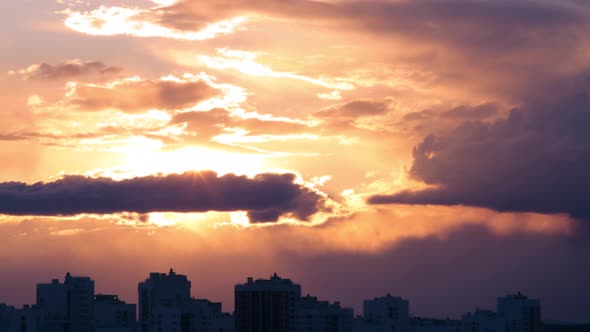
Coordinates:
[162,289]
[66,306]
[521,313]
[113,315]
[80,296]
[52,300]
[166,305]
[266,305]
[387,313]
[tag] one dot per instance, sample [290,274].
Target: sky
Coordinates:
[433,149]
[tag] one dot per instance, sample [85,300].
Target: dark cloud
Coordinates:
[537,159]
[481,26]
[266,197]
[68,70]
[386,15]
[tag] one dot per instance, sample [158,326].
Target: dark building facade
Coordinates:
[66,306]
[266,305]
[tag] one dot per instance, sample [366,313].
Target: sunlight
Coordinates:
[165,3]
[110,21]
[145,161]
[243,62]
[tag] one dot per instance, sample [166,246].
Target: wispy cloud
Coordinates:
[112,21]
[70,69]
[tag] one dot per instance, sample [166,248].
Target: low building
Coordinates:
[483,321]
[9,318]
[322,316]
[418,324]
[113,315]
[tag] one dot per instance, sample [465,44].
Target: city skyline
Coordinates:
[284,283]
[437,150]
[276,304]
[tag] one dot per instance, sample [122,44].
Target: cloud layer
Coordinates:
[536,160]
[66,70]
[136,95]
[266,197]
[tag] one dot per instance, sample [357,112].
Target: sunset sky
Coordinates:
[438,150]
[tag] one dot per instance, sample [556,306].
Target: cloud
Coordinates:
[464,46]
[535,160]
[449,21]
[136,95]
[66,70]
[108,21]
[266,197]
[349,114]
[245,63]
[478,112]
[436,121]
[205,125]
[334,95]
[208,124]
[192,109]
[354,109]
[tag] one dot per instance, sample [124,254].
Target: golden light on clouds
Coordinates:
[245,63]
[308,133]
[142,161]
[111,21]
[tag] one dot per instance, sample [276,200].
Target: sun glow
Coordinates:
[111,21]
[145,162]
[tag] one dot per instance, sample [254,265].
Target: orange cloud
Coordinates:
[135,95]
[70,69]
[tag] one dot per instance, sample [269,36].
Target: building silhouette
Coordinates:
[483,321]
[266,305]
[521,313]
[166,305]
[422,324]
[319,316]
[114,315]
[263,305]
[8,317]
[160,297]
[387,313]
[67,306]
